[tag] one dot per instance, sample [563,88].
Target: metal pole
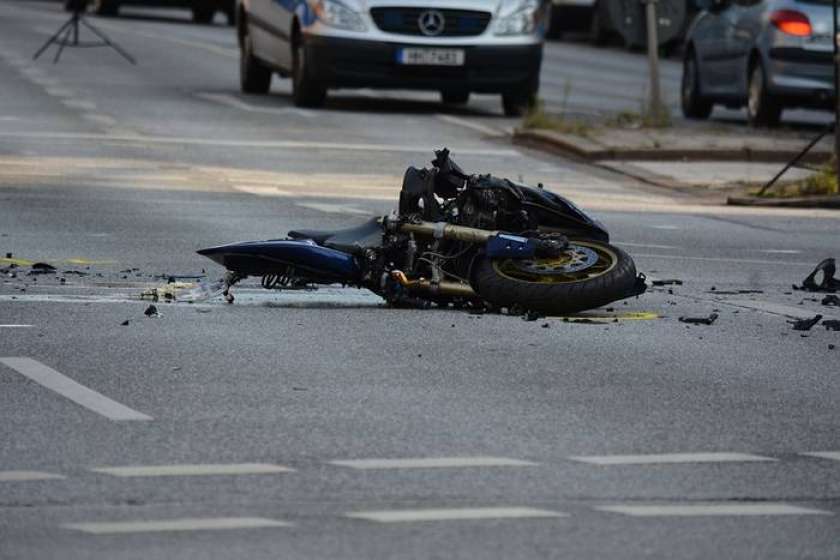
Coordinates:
[836,95]
[653,60]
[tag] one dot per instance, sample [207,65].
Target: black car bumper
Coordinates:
[487,69]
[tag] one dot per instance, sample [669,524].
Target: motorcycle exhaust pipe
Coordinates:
[444,287]
[442,230]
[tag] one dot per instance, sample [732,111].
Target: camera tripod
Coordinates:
[68,36]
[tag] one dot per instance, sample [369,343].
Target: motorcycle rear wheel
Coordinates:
[589,274]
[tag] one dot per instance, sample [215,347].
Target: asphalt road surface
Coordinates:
[324,425]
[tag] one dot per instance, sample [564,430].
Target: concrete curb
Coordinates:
[832,201]
[579,147]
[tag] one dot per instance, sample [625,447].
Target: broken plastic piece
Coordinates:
[827,284]
[832,325]
[831,300]
[42,268]
[669,282]
[805,324]
[151,311]
[700,320]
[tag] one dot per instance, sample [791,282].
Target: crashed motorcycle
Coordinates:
[457,239]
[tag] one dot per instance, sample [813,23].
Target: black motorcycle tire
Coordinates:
[617,282]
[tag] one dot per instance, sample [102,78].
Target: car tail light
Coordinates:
[791,22]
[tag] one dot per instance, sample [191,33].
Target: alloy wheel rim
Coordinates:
[577,265]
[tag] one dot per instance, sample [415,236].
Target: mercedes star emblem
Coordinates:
[431,22]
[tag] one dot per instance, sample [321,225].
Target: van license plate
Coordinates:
[431,57]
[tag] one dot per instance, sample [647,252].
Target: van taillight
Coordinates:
[791,22]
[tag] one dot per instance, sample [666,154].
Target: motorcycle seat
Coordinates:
[352,240]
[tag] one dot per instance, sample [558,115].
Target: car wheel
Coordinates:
[306,92]
[202,13]
[455,97]
[762,108]
[253,76]
[516,104]
[694,105]
[105,7]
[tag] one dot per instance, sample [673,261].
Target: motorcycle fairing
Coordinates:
[276,256]
[551,211]
[354,240]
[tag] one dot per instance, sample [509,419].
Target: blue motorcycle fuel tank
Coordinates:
[275,256]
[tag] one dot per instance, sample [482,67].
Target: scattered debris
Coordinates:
[832,325]
[76,272]
[582,321]
[531,316]
[828,283]
[700,320]
[831,300]
[805,324]
[124,323]
[151,311]
[668,282]
[41,268]
[299,389]
[546,326]
[831,347]
[176,368]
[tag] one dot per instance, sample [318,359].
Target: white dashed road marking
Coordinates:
[24,476]
[474,126]
[670,458]
[15,326]
[646,245]
[186,524]
[66,387]
[781,251]
[193,470]
[236,103]
[411,515]
[333,208]
[833,455]
[256,144]
[762,508]
[432,463]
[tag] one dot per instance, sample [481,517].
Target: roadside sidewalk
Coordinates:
[719,158]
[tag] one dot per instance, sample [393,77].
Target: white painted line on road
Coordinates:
[833,455]
[332,208]
[185,524]
[236,103]
[193,470]
[260,190]
[646,245]
[723,260]
[432,463]
[79,104]
[66,387]
[761,508]
[102,119]
[781,251]
[777,308]
[59,92]
[266,144]
[669,458]
[15,326]
[25,476]
[474,126]
[411,515]
[666,227]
